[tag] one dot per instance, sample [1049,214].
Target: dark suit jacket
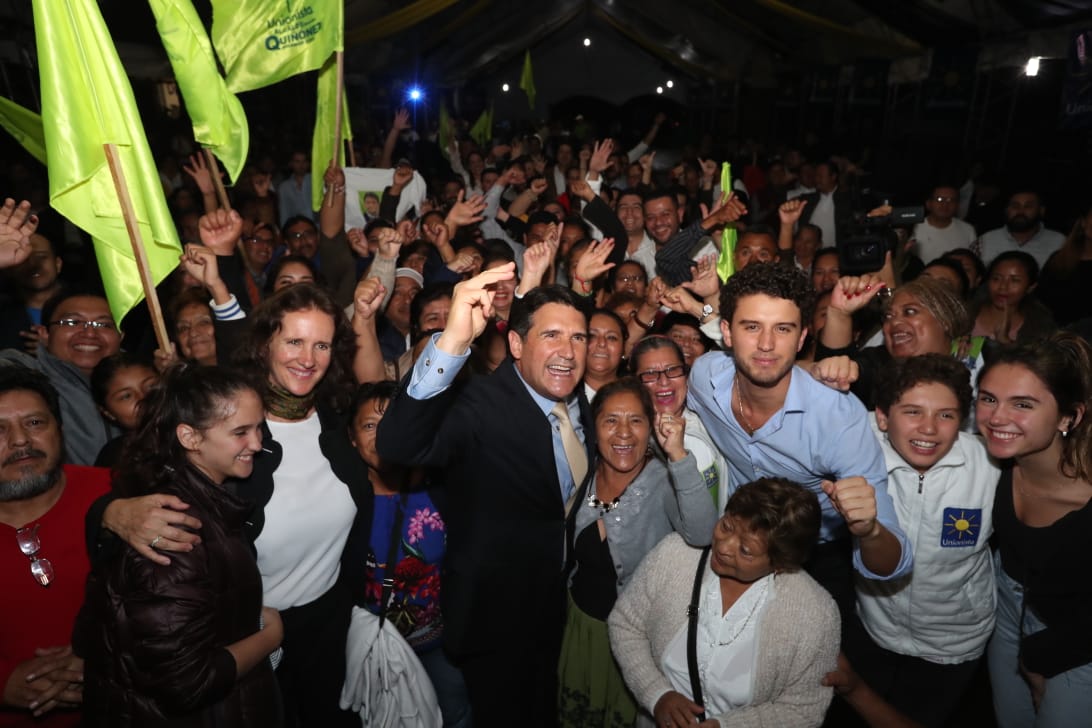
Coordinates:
[503,579]
[844,205]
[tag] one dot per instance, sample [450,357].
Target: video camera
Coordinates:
[871,238]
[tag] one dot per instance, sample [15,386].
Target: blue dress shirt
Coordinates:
[819,434]
[435,371]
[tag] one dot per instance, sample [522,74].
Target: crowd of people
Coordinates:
[520,421]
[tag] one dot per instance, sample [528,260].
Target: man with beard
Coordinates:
[42,507]
[675,247]
[1023,230]
[773,420]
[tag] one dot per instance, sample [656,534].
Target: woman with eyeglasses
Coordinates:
[632,500]
[186,644]
[660,366]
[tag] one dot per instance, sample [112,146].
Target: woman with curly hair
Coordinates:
[297,353]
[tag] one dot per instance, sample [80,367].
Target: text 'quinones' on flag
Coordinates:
[261,42]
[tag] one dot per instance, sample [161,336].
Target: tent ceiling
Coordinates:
[455,41]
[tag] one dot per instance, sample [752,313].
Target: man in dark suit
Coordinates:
[830,207]
[515,448]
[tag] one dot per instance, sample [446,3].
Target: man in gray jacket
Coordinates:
[77,333]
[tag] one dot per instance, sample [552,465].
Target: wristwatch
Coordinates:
[706,312]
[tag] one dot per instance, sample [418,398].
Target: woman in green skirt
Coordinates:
[633,501]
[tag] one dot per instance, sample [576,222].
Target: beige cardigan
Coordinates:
[798,639]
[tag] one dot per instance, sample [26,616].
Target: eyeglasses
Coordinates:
[306,234]
[944,199]
[636,278]
[29,544]
[653,375]
[256,240]
[71,323]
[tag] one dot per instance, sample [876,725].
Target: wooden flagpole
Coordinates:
[221,194]
[141,257]
[214,171]
[340,56]
[336,158]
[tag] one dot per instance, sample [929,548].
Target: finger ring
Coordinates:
[155,542]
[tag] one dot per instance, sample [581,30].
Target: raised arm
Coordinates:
[400,124]
[332,214]
[17,224]
[368,360]
[788,214]
[850,294]
[692,513]
[201,175]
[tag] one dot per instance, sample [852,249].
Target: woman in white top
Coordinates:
[766,631]
[298,352]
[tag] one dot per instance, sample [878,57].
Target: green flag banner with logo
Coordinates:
[87,102]
[25,126]
[219,121]
[322,139]
[261,42]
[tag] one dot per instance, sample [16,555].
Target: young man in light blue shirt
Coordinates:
[771,419]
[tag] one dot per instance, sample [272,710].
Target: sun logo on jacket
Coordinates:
[961,526]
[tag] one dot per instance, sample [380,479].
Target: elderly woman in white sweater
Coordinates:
[766,632]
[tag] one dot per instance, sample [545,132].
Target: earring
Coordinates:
[1065,434]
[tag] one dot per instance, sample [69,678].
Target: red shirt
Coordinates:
[33,616]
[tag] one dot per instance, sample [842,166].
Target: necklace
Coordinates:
[604,508]
[739,399]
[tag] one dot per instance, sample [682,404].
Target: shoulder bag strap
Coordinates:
[392,553]
[692,633]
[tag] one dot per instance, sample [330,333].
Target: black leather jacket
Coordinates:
[154,637]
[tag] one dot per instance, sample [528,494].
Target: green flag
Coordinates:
[726,261]
[87,102]
[446,131]
[527,79]
[261,42]
[482,131]
[25,126]
[219,122]
[322,139]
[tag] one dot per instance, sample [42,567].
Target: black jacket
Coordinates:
[503,577]
[154,637]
